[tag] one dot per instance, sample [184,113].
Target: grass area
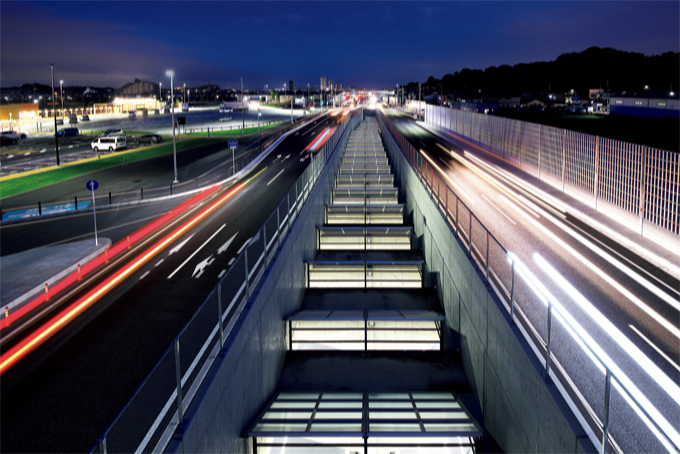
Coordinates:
[13,185]
[231,132]
[98,132]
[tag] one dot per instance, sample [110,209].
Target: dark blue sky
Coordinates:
[364,44]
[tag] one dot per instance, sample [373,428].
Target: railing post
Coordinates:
[643,177]
[178,374]
[564,147]
[245,253]
[470,233]
[597,168]
[487,257]
[539,151]
[605,423]
[512,291]
[102,445]
[547,347]
[219,313]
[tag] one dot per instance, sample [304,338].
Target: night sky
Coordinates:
[362,44]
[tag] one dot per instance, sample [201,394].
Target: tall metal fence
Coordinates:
[641,180]
[150,417]
[616,414]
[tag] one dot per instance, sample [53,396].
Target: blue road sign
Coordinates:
[233,143]
[92,185]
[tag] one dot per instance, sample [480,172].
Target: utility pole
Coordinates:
[54,108]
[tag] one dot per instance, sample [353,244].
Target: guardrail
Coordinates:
[640,180]
[150,417]
[611,409]
[104,201]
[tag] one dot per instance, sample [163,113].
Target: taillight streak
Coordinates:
[65,316]
[107,255]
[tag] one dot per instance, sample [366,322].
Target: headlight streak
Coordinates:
[611,281]
[661,379]
[110,254]
[442,173]
[65,316]
[492,182]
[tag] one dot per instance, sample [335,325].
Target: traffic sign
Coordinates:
[233,143]
[92,185]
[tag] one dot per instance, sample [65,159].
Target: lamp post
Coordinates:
[184,94]
[310,110]
[171,75]
[56,137]
[258,121]
[160,93]
[243,113]
[61,94]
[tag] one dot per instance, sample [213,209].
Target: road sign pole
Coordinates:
[233,166]
[94,209]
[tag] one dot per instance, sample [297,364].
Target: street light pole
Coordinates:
[243,112]
[61,94]
[184,94]
[160,95]
[56,137]
[171,74]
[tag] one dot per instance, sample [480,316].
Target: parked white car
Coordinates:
[112,143]
[13,135]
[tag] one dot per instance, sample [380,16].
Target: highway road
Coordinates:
[63,395]
[641,301]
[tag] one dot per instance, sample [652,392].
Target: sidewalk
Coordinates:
[20,272]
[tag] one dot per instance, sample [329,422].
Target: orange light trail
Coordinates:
[45,331]
[110,253]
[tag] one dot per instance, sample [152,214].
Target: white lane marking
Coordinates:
[658,350]
[305,133]
[424,144]
[202,266]
[144,275]
[499,210]
[10,156]
[159,262]
[28,154]
[196,251]
[277,175]
[297,133]
[70,146]
[43,150]
[445,163]
[233,259]
[219,276]
[180,245]
[226,245]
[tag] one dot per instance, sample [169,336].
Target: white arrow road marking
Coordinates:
[196,251]
[226,245]
[201,267]
[179,246]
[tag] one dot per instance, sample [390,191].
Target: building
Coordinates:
[648,107]
[139,87]
[330,84]
[290,86]
[323,83]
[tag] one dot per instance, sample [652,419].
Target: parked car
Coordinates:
[4,141]
[73,118]
[113,132]
[85,118]
[225,119]
[109,143]
[149,138]
[60,121]
[68,132]
[13,135]
[132,115]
